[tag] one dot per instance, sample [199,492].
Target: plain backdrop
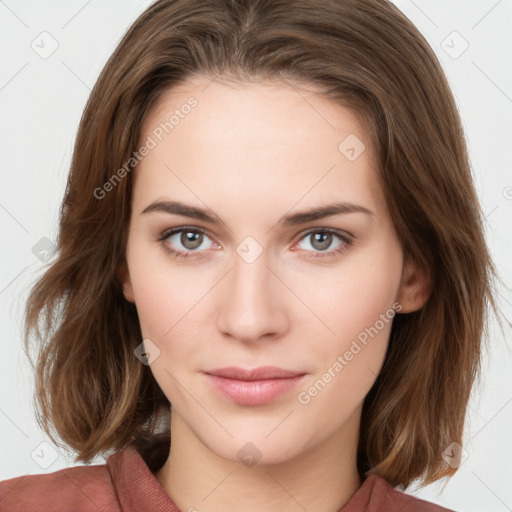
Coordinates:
[43,90]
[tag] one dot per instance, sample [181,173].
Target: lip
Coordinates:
[255,386]
[261,373]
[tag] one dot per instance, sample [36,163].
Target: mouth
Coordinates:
[255,386]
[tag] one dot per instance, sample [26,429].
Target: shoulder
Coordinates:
[385,498]
[81,489]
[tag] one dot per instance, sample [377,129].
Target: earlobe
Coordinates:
[415,287]
[124,278]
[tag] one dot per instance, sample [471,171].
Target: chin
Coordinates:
[253,447]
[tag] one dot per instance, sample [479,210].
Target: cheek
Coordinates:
[357,312]
[349,359]
[353,297]
[163,304]
[163,291]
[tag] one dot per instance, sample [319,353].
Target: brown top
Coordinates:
[126,483]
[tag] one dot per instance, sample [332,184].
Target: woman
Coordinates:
[271,253]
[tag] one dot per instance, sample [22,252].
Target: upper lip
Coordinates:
[261,373]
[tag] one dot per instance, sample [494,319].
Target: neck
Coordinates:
[322,479]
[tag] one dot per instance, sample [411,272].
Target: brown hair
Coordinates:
[92,391]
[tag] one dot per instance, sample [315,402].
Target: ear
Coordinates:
[415,287]
[124,278]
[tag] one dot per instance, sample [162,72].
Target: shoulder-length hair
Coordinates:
[91,390]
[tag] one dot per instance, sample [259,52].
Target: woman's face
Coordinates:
[262,281]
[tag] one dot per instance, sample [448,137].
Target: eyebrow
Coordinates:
[292,219]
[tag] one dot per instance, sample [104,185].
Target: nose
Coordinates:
[251,301]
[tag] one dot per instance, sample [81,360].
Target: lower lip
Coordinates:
[253,392]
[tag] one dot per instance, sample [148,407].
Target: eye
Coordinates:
[320,240]
[185,242]
[188,240]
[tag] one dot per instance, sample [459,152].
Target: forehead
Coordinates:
[255,143]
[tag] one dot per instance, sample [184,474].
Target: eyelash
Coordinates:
[192,254]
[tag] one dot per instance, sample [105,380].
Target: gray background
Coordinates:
[42,96]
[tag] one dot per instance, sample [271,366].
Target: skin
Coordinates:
[252,153]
